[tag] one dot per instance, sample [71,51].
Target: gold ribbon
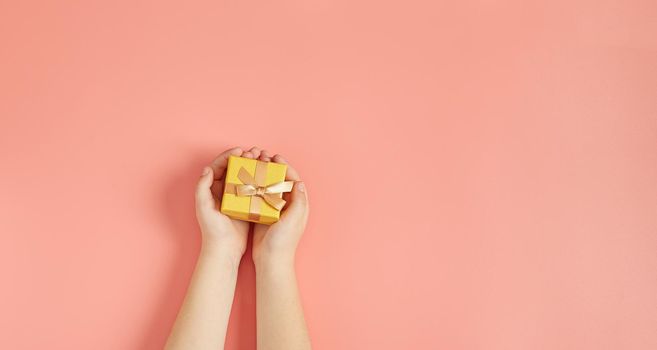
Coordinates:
[254,187]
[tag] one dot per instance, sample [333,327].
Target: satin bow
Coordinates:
[269,193]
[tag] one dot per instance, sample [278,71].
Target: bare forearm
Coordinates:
[280,321]
[203,317]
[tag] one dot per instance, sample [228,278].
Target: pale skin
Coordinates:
[203,318]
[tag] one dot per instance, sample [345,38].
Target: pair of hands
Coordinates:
[270,242]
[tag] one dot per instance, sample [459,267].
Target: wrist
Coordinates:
[219,250]
[276,261]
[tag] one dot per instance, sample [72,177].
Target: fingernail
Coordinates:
[206,170]
[300,186]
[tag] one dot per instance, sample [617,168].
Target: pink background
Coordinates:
[482,173]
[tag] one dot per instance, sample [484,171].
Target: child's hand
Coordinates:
[219,231]
[278,242]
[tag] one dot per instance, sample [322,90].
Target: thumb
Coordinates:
[298,201]
[204,198]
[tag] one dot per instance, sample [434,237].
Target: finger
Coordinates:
[217,189]
[204,198]
[247,154]
[291,174]
[298,205]
[255,151]
[219,164]
[264,156]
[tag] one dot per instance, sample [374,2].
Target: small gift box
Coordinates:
[254,190]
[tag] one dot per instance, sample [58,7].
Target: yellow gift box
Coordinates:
[254,190]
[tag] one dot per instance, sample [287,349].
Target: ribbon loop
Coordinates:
[270,193]
[246,178]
